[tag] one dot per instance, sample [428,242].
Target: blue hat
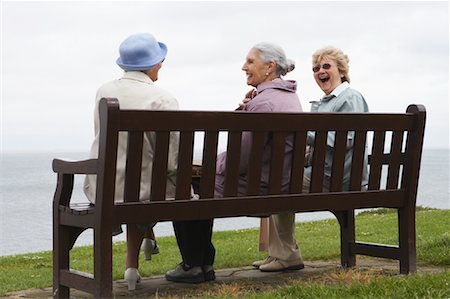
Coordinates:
[140,52]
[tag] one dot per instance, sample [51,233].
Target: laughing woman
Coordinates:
[330,69]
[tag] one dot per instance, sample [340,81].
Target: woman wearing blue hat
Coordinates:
[141,57]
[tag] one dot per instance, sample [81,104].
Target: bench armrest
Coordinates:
[75,167]
[66,171]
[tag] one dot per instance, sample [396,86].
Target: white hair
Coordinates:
[271,52]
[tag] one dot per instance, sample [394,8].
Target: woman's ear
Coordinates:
[271,67]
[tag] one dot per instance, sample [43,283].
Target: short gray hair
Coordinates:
[271,52]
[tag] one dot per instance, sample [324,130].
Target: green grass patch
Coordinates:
[319,240]
[413,286]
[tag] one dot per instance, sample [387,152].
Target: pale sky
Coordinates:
[55,55]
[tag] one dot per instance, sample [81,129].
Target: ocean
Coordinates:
[27,184]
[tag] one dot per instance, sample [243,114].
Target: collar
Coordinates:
[277,83]
[137,76]
[336,92]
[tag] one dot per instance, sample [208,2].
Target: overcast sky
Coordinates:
[56,54]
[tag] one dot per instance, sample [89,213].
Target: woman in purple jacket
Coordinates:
[264,66]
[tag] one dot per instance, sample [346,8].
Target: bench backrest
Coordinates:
[395,140]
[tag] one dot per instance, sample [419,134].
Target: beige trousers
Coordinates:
[277,234]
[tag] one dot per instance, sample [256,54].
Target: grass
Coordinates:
[319,240]
[418,286]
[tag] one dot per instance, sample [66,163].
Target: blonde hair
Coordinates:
[338,56]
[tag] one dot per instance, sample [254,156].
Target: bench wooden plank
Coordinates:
[255,163]
[394,161]
[232,163]
[298,161]
[207,180]
[159,170]
[184,170]
[359,148]
[277,162]
[376,160]
[257,205]
[133,166]
[320,148]
[135,120]
[340,149]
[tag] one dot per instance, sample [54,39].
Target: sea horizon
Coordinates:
[27,184]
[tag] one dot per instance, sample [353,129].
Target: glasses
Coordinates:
[325,66]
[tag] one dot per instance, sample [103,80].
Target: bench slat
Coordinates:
[317,175]
[256,205]
[359,148]
[277,162]
[207,180]
[395,159]
[232,163]
[159,170]
[133,166]
[340,149]
[255,164]
[184,170]
[298,161]
[375,160]
[134,120]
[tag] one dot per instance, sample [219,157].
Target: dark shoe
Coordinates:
[278,265]
[189,275]
[209,273]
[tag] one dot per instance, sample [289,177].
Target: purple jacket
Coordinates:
[275,96]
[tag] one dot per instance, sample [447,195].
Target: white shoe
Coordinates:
[277,265]
[149,247]
[132,277]
[267,260]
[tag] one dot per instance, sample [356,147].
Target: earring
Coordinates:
[267,74]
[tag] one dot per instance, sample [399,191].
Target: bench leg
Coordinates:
[407,239]
[347,224]
[61,247]
[63,240]
[103,264]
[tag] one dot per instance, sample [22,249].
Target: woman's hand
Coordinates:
[248,96]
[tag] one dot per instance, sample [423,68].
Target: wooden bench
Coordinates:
[395,141]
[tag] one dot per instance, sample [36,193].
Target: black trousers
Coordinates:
[194,242]
[194,238]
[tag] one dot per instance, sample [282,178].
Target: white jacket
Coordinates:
[135,90]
